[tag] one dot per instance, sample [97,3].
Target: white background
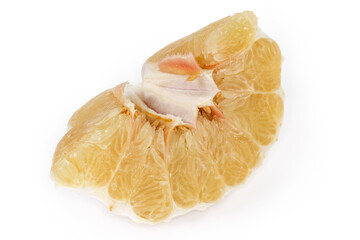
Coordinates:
[56,55]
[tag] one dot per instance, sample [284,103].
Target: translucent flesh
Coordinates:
[194,176]
[142,177]
[216,42]
[87,155]
[155,167]
[257,69]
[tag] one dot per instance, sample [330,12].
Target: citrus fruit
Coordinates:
[208,107]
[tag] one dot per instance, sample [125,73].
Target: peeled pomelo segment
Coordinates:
[257,69]
[257,113]
[141,177]
[242,156]
[91,151]
[234,152]
[211,184]
[87,149]
[127,170]
[151,197]
[216,42]
[194,177]
[183,181]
